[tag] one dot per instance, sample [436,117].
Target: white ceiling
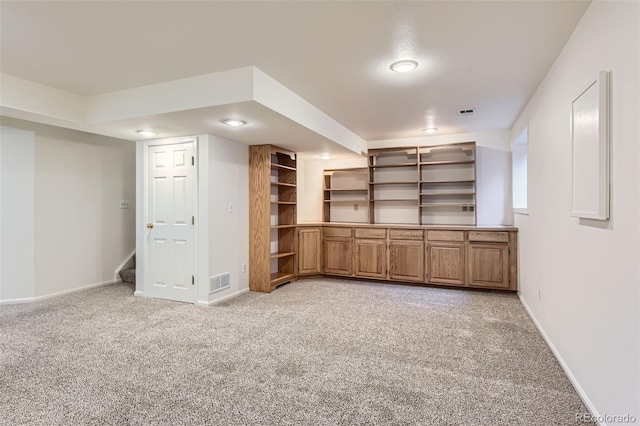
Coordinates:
[485,55]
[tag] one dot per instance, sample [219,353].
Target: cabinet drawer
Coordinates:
[499,237]
[371,233]
[337,232]
[406,234]
[433,235]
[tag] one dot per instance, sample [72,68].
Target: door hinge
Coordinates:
[193,280]
[193,160]
[193,220]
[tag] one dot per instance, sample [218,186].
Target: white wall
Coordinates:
[493,174]
[17,209]
[81,234]
[587,272]
[222,237]
[228,232]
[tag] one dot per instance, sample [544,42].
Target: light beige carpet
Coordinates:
[314,352]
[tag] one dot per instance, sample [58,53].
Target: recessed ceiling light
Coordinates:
[325,156]
[404,66]
[430,130]
[147,132]
[234,122]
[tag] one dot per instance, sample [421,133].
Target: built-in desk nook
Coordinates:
[432,190]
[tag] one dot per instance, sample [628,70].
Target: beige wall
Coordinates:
[581,278]
[81,234]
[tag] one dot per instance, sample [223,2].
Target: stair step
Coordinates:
[128,275]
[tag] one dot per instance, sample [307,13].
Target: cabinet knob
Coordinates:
[150,225]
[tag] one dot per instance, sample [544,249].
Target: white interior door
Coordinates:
[170,272]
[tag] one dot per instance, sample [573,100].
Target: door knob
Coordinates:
[150,225]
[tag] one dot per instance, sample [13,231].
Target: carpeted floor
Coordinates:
[315,352]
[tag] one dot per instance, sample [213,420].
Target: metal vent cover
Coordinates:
[219,282]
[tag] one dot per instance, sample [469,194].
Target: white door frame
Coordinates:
[142,148]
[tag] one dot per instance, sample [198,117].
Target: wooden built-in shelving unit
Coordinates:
[345,195]
[272,220]
[423,185]
[420,185]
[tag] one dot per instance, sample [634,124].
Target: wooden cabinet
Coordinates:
[309,251]
[338,255]
[371,258]
[488,265]
[446,263]
[406,260]
[455,256]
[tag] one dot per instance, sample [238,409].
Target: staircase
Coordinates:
[128,275]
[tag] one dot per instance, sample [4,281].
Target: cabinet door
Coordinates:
[446,263]
[309,250]
[488,265]
[371,258]
[338,256]
[406,260]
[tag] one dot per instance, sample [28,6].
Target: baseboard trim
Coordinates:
[138,293]
[17,301]
[60,293]
[576,385]
[206,303]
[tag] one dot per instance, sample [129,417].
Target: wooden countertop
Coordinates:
[401,226]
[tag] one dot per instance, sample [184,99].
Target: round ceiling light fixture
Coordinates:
[234,122]
[430,130]
[325,156]
[147,132]
[404,66]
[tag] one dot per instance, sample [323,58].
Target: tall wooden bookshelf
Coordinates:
[272,218]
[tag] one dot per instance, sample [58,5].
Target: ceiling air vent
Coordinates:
[466,112]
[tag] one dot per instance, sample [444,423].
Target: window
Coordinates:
[519,167]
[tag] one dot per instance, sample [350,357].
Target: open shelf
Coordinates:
[381,166]
[281,166]
[282,226]
[346,189]
[342,188]
[346,201]
[281,277]
[415,200]
[448,181]
[441,163]
[428,194]
[444,189]
[288,203]
[282,254]
[447,204]
[395,183]
[290,185]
